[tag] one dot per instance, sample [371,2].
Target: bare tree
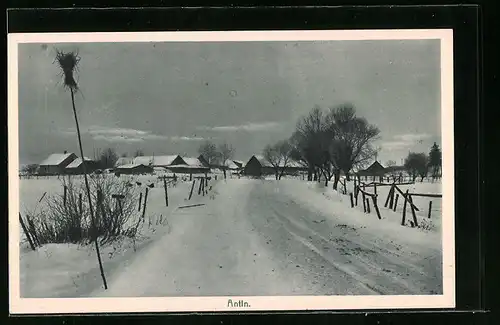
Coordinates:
[307,142]
[353,138]
[209,151]
[225,152]
[68,63]
[138,153]
[390,163]
[30,169]
[279,156]
[108,158]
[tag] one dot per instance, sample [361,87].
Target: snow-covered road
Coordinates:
[253,238]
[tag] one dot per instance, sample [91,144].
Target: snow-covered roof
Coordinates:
[194,162]
[55,159]
[123,161]
[129,166]
[187,167]
[77,162]
[143,160]
[295,164]
[290,163]
[263,162]
[164,160]
[232,165]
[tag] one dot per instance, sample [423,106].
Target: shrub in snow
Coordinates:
[66,219]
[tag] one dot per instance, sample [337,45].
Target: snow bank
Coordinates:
[70,270]
[325,200]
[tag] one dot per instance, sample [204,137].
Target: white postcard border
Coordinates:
[20,305]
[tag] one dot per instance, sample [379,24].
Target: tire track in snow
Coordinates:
[373,269]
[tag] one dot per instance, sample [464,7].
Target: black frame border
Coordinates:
[464,20]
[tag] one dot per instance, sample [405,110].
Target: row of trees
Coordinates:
[217,155]
[327,142]
[420,164]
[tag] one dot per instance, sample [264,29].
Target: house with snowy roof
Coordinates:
[258,166]
[77,165]
[56,163]
[133,169]
[158,161]
[124,161]
[190,165]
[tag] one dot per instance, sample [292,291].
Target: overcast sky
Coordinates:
[166,98]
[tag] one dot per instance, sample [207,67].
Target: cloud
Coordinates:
[249,127]
[186,138]
[405,141]
[116,138]
[395,145]
[412,137]
[99,133]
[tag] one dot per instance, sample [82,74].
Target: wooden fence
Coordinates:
[391,202]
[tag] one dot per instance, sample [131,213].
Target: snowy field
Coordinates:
[251,237]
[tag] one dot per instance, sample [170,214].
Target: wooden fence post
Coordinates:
[364,201]
[64,195]
[80,203]
[26,232]
[404,208]
[375,188]
[140,202]
[166,191]
[391,201]
[191,192]
[389,196]
[356,194]
[415,223]
[145,201]
[345,186]
[352,200]
[367,205]
[375,205]
[200,187]
[430,209]
[396,202]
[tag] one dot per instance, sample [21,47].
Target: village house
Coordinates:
[203,161]
[235,165]
[133,169]
[258,166]
[191,165]
[373,171]
[56,163]
[124,161]
[76,166]
[159,161]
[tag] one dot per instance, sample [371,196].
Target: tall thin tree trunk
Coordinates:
[88,192]
[336,177]
[310,173]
